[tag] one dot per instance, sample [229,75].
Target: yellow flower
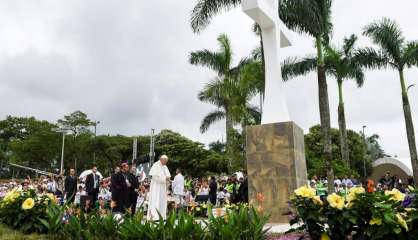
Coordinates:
[395,195]
[375,221]
[29,203]
[357,190]
[305,192]
[336,201]
[402,221]
[11,196]
[324,236]
[352,195]
[317,200]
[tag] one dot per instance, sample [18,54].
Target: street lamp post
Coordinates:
[364,159]
[95,134]
[62,153]
[63,131]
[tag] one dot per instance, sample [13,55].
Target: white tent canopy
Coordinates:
[84,174]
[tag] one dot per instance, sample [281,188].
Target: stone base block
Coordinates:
[276,166]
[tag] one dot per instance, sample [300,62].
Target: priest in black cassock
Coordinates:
[120,185]
[132,190]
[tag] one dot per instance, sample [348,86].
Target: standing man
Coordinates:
[70,186]
[92,185]
[132,189]
[158,189]
[178,188]
[120,185]
[213,189]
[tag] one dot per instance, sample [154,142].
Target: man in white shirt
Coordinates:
[178,188]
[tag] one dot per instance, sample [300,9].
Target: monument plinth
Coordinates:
[275,165]
[276,162]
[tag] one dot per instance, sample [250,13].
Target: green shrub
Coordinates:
[246,223]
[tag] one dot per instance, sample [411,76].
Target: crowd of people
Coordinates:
[128,190]
[343,184]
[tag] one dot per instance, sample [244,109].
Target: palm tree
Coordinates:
[230,95]
[342,65]
[313,17]
[394,52]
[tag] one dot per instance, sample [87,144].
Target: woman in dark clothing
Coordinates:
[213,188]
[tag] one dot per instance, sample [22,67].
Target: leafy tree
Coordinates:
[394,52]
[77,122]
[313,17]
[33,143]
[342,65]
[314,157]
[188,155]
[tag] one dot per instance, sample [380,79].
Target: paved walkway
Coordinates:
[278,227]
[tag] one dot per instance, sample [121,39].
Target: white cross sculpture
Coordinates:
[265,13]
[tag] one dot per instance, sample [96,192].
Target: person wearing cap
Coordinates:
[160,176]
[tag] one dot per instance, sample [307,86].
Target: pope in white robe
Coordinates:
[160,176]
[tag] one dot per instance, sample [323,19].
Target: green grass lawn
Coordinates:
[7,234]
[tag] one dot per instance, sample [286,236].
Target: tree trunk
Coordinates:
[324,115]
[410,133]
[345,155]
[229,149]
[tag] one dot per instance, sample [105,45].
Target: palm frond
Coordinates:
[388,35]
[205,10]
[212,92]
[254,113]
[293,67]
[349,44]
[312,17]
[207,58]
[370,58]
[356,72]
[210,119]
[226,50]
[410,55]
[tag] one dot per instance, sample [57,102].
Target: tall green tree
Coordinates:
[342,65]
[78,123]
[358,151]
[313,17]
[398,54]
[230,95]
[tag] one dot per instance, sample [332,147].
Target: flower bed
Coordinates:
[359,215]
[25,211]
[28,213]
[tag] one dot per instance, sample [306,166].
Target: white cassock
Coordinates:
[158,191]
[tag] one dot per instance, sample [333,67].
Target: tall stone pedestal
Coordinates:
[276,165]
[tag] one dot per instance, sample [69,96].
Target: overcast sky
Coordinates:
[125,63]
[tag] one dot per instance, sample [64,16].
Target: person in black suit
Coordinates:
[120,185]
[70,186]
[92,185]
[213,188]
[132,190]
[243,191]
